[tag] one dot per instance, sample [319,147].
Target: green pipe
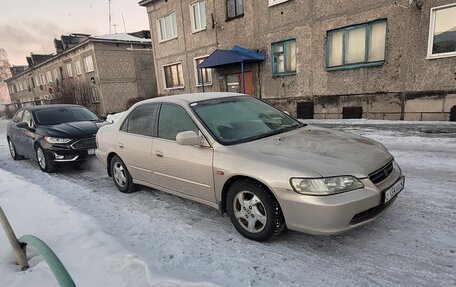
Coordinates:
[60,273]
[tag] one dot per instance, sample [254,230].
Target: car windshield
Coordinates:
[60,115]
[241,119]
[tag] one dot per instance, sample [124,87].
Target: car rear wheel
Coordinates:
[254,211]
[121,176]
[44,162]
[13,152]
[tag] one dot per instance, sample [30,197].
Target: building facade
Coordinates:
[323,59]
[100,72]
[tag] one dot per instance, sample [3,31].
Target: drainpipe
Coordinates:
[243,78]
[202,79]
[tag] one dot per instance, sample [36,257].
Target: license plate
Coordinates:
[395,189]
[91,151]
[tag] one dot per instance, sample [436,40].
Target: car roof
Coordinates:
[193,97]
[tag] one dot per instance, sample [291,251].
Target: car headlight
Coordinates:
[53,140]
[325,186]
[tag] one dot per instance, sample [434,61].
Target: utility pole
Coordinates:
[109,15]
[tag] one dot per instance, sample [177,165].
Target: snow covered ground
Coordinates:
[412,244]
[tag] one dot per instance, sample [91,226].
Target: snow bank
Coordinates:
[92,257]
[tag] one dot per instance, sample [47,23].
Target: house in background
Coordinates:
[376,59]
[100,72]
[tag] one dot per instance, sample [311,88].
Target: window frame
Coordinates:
[196,71]
[276,74]
[164,76]
[365,63]
[432,17]
[192,16]
[228,18]
[276,2]
[49,77]
[88,69]
[159,34]
[69,69]
[77,65]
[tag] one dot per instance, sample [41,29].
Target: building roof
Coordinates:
[228,57]
[113,38]
[125,37]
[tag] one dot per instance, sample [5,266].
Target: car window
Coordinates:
[27,117]
[141,120]
[64,114]
[240,119]
[18,116]
[174,119]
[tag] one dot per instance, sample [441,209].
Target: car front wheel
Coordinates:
[121,176]
[254,211]
[13,151]
[43,160]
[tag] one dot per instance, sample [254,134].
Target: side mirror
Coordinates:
[188,138]
[103,118]
[22,125]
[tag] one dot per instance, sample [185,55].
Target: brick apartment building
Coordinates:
[316,59]
[101,72]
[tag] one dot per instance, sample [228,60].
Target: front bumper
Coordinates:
[336,213]
[63,153]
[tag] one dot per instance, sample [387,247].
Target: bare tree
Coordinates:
[5,73]
[72,91]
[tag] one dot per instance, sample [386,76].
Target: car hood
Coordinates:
[323,151]
[71,130]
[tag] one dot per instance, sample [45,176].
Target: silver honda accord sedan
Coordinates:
[260,166]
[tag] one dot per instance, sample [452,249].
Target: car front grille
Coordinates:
[381,174]
[85,144]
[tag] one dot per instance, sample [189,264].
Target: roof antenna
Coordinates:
[123,20]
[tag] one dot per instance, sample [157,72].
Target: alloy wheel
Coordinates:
[119,174]
[249,211]
[11,149]
[41,158]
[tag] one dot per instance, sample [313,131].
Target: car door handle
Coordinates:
[121,145]
[158,153]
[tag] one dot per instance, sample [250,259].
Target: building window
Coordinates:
[275,2]
[205,74]
[284,57]
[167,28]
[88,64]
[442,32]
[56,76]
[69,70]
[95,98]
[77,66]
[19,86]
[42,79]
[49,76]
[234,9]
[25,85]
[356,46]
[198,16]
[173,76]
[37,80]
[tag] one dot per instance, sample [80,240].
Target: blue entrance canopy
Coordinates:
[236,55]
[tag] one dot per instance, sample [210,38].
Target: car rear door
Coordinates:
[135,141]
[15,132]
[26,136]
[182,168]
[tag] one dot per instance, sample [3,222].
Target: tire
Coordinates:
[121,177]
[259,217]
[13,152]
[43,160]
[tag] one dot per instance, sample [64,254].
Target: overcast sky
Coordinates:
[31,25]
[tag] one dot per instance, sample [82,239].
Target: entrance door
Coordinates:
[234,83]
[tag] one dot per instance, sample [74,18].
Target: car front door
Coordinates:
[27,135]
[135,141]
[182,168]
